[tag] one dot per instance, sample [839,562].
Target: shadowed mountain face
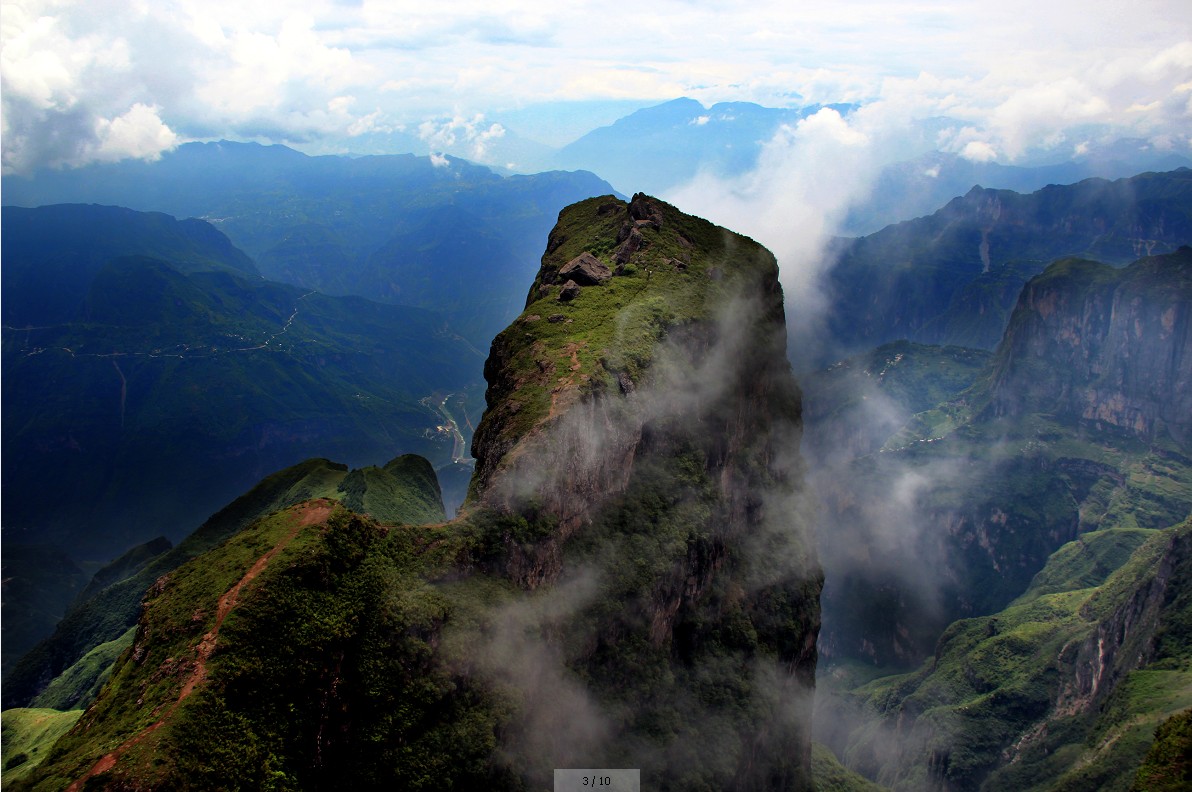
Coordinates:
[953,277]
[1108,347]
[1015,538]
[159,385]
[632,583]
[943,511]
[53,254]
[441,234]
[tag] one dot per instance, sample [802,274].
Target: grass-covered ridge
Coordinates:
[29,734]
[670,270]
[70,657]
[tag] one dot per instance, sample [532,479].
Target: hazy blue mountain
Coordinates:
[919,186]
[953,277]
[52,255]
[348,226]
[167,389]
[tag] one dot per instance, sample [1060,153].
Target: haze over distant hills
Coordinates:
[953,277]
[148,365]
[661,147]
[405,230]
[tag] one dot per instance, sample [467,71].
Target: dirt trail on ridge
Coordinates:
[311,513]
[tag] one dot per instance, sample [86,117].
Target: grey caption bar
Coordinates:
[598,780]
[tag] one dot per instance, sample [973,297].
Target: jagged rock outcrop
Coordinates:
[1124,639]
[1109,347]
[586,270]
[669,388]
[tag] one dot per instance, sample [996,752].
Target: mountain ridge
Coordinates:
[952,277]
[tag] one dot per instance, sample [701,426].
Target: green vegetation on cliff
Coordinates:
[28,736]
[1168,764]
[1077,423]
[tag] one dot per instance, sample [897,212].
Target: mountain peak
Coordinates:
[638,463]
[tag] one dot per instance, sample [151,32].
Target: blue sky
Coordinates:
[107,79]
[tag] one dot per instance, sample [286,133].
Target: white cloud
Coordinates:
[139,134]
[467,137]
[806,179]
[978,151]
[222,68]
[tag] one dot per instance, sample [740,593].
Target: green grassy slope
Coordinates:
[28,736]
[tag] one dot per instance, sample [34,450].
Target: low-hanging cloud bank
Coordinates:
[807,178]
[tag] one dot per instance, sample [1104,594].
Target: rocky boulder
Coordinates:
[586,270]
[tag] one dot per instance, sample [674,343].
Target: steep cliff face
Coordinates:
[1109,347]
[1078,422]
[653,416]
[631,584]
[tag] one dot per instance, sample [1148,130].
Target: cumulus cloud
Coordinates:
[138,134]
[84,82]
[468,137]
[978,151]
[220,68]
[807,177]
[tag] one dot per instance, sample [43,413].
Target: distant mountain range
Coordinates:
[658,148]
[921,185]
[430,233]
[953,277]
[146,364]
